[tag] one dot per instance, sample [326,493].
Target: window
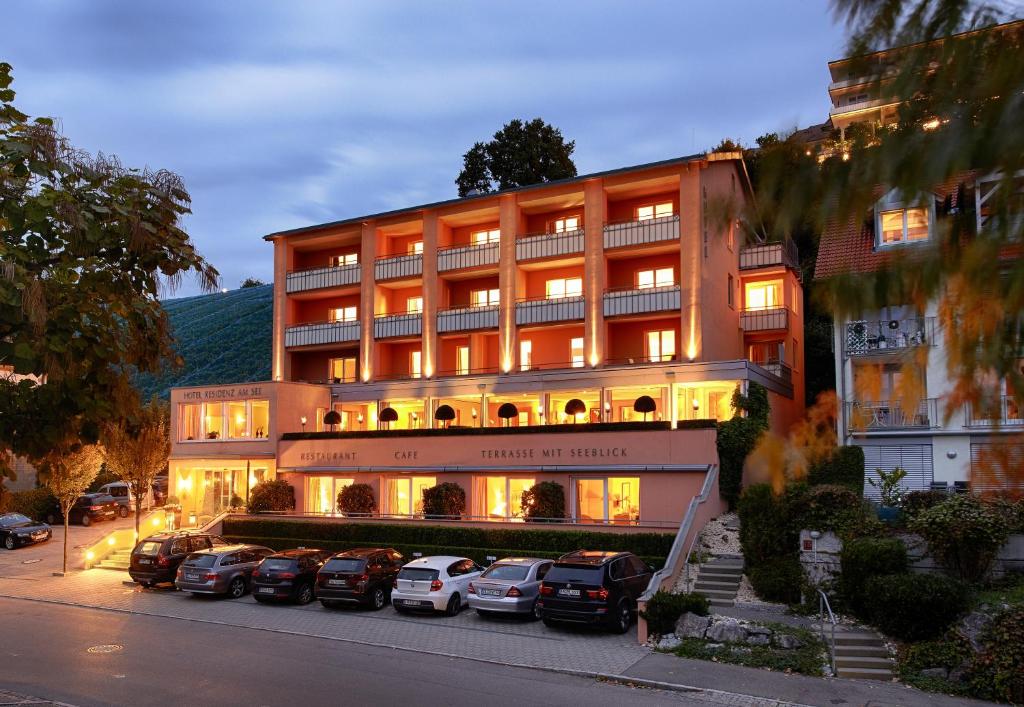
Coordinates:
[415,248]
[485,237]
[566,225]
[525,355]
[729,295]
[661,345]
[259,416]
[484,298]
[501,497]
[564,287]
[339,261]
[213,416]
[610,500]
[662,277]
[342,370]
[765,352]
[415,364]
[576,346]
[762,295]
[189,421]
[322,494]
[342,314]
[461,360]
[903,225]
[646,213]
[414,305]
[405,495]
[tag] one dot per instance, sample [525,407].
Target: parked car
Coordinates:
[17,530]
[88,509]
[155,560]
[509,586]
[288,576]
[122,493]
[363,576]
[160,484]
[225,569]
[438,583]
[594,587]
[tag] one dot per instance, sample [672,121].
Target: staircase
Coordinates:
[719,580]
[117,560]
[860,653]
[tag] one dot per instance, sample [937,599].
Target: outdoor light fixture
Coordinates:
[696,404]
[302,420]
[223,290]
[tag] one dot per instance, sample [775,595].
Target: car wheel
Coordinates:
[380,598]
[454,605]
[237,588]
[9,542]
[623,618]
[86,521]
[536,612]
[122,511]
[550,623]
[305,594]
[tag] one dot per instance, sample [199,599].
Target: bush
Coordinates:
[766,530]
[864,558]
[964,535]
[778,579]
[34,503]
[446,500]
[102,479]
[998,673]
[1011,509]
[544,502]
[830,507]
[914,607]
[276,495]
[736,440]
[844,468]
[664,610]
[917,501]
[356,500]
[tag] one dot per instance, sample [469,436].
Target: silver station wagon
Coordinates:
[220,570]
[509,586]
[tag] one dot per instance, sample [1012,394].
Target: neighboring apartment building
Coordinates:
[544,308]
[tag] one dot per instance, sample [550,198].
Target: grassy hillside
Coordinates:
[223,337]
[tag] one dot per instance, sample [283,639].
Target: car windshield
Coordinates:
[13,519]
[345,564]
[574,573]
[278,564]
[417,574]
[201,559]
[149,547]
[102,498]
[513,572]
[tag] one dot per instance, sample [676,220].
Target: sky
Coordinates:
[285,114]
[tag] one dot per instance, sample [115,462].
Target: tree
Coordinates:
[68,473]
[251,282]
[520,154]
[137,449]
[86,247]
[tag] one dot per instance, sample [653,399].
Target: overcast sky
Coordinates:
[284,114]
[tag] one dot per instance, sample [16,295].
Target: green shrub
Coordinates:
[964,535]
[778,579]
[544,502]
[446,500]
[1011,509]
[864,558]
[664,610]
[998,673]
[829,507]
[737,438]
[917,501]
[844,468]
[913,607]
[102,479]
[357,499]
[276,495]
[34,503]
[766,530]
[951,651]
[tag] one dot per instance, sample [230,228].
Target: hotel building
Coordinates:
[504,339]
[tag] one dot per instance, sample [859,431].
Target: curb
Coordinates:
[711,692]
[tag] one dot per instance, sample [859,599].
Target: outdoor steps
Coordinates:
[117,560]
[860,654]
[719,580]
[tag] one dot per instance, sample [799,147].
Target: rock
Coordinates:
[668,642]
[690,625]
[759,630]
[727,632]
[971,627]
[787,641]
[713,646]
[758,639]
[934,673]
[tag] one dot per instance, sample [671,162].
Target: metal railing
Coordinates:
[467,318]
[640,301]
[888,336]
[392,267]
[321,333]
[320,277]
[387,326]
[824,606]
[463,518]
[779,369]
[539,311]
[1006,412]
[874,416]
[549,245]
[632,233]
[466,256]
[768,319]
[767,255]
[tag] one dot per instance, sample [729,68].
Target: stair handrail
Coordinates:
[824,606]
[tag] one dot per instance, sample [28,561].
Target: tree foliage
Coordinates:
[520,154]
[137,448]
[67,473]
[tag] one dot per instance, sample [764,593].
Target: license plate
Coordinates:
[38,536]
[191,577]
[568,592]
[490,592]
[412,602]
[336,582]
[266,590]
[143,561]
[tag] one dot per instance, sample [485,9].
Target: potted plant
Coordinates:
[356,500]
[236,502]
[446,501]
[891,492]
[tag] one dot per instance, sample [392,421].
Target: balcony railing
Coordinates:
[318,278]
[768,319]
[467,256]
[778,369]
[1007,413]
[321,333]
[389,326]
[880,416]
[766,255]
[889,336]
[467,318]
[632,233]
[393,267]
[539,311]
[634,301]
[549,245]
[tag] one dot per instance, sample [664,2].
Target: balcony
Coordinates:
[890,336]
[769,319]
[778,369]
[542,311]
[549,245]
[633,301]
[467,318]
[466,256]
[882,416]
[318,333]
[396,267]
[390,326]
[767,255]
[1006,414]
[319,278]
[634,233]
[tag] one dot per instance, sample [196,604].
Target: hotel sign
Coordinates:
[232,393]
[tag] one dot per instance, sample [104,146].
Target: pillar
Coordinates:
[431,293]
[367,303]
[594,271]
[508,220]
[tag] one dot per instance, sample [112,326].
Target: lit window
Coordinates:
[762,295]
[416,364]
[525,355]
[415,248]
[213,417]
[485,237]
[484,298]
[502,496]
[612,500]
[189,421]
[414,305]
[564,287]
[462,360]
[259,416]
[904,225]
[338,261]
[577,352]
[343,370]
[405,495]
[342,314]
[646,213]
[661,345]
[662,277]
[567,224]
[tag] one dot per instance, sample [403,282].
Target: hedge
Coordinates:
[914,607]
[469,431]
[34,503]
[844,468]
[664,609]
[864,558]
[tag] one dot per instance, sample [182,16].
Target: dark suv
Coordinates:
[288,576]
[88,509]
[361,576]
[155,560]
[594,587]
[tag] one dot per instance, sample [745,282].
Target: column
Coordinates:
[280,367]
[594,271]
[431,292]
[691,248]
[508,217]
[367,303]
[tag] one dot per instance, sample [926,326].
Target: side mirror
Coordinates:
[650,568]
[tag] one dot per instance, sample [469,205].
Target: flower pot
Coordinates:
[888,514]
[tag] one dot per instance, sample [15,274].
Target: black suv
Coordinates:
[155,560]
[87,509]
[361,576]
[288,576]
[594,587]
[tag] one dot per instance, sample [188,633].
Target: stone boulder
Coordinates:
[758,639]
[691,625]
[668,642]
[971,627]
[728,631]
[787,641]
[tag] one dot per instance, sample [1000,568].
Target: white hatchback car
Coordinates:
[438,583]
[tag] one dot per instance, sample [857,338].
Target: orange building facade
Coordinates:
[504,339]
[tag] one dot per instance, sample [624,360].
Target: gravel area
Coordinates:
[721,536]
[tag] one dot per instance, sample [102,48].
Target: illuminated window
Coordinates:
[415,364]
[662,277]
[461,360]
[343,370]
[485,237]
[501,497]
[762,295]
[415,248]
[564,287]
[484,298]
[342,314]
[525,355]
[612,500]
[322,494]
[646,213]
[338,261]
[405,495]
[414,305]
[576,349]
[213,417]
[259,418]
[566,225]
[903,226]
[661,345]
[189,421]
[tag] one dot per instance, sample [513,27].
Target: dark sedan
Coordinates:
[88,509]
[17,530]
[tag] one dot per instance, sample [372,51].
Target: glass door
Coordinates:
[218,485]
[405,494]
[608,500]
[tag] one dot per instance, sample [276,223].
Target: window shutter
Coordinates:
[916,459]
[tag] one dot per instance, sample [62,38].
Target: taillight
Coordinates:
[546,590]
[255,573]
[364,577]
[472,589]
[286,575]
[162,561]
[210,576]
[436,585]
[95,508]
[514,592]
[601,593]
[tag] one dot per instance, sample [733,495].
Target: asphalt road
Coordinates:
[44,652]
